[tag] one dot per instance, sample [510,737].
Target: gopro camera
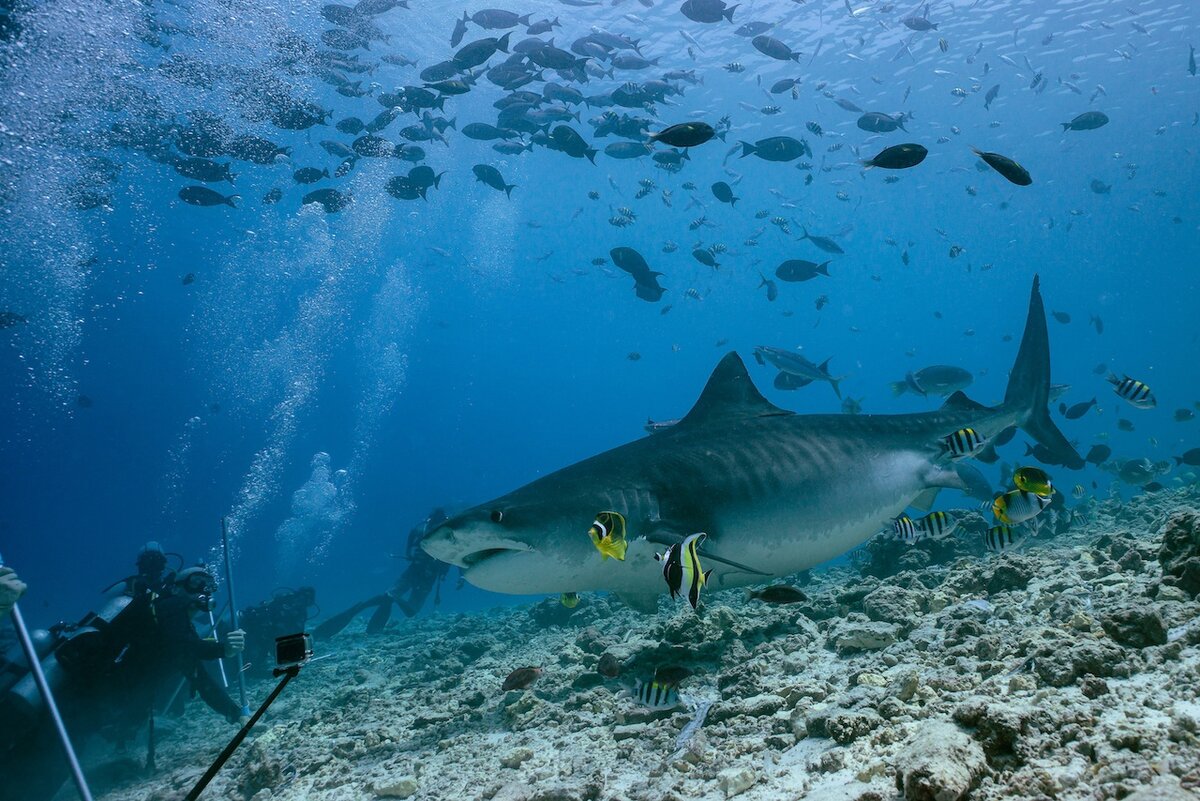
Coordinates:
[293,649]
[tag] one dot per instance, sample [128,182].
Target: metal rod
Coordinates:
[212,622]
[35,667]
[241,677]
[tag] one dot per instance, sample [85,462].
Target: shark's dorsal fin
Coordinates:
[730,394]
[960,402]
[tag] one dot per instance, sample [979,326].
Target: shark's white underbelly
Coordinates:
[811,525]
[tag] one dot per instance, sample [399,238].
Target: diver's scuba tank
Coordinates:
[13,664]
[71,651]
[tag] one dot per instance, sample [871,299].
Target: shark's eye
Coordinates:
[497,516]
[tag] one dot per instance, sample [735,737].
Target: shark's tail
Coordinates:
[1029,386]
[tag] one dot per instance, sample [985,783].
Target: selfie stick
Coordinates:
[35,667]
[233,614]
[288,674]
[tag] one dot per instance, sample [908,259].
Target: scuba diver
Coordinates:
[108,673]
[423,575]
[152,571]
[174,647]
[286,612]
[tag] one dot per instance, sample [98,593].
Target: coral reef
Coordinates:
[1068,670]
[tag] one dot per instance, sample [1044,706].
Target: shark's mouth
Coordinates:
[478,557]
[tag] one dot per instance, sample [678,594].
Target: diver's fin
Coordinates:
[729,395]
[1029,386]
[926,499]
[644,602]
[383,613]
[959,401]
[335,624]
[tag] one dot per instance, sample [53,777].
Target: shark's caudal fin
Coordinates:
[1029,386]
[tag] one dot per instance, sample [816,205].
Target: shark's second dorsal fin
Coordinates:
[959,401]
[730,394]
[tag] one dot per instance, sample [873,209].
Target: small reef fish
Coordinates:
[656,695]
[569,599]
[1018,506]
[681,565]
[608,535]
[964,442]
[1033,479]
[1010,169]
[905,530]
[1000,539]
[1134,391]
[938,524]
[521,679]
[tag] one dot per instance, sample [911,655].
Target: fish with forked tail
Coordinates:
[776,492]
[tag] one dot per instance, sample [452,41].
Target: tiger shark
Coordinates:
[776,492]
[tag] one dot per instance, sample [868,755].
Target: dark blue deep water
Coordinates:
[174,364]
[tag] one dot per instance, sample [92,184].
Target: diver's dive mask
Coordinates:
[196,583]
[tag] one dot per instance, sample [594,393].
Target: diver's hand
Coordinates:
[11,589]
[235,643]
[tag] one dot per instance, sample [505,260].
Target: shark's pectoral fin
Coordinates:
[926,499]
[959,476]
[988,455]
[644,602]
[737,566]
[666,535]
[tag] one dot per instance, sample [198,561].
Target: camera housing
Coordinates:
[293,649]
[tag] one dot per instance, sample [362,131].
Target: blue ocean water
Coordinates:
[444,350]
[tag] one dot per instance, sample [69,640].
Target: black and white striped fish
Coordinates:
[681,568]
[1134,391]
[938,524]
[964,442]
[1002,538]
[656,695]
[905,530]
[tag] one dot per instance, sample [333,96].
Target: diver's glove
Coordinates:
[11,589]
[235,642]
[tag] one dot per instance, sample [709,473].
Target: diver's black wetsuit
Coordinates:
[175,649]
[422,575]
